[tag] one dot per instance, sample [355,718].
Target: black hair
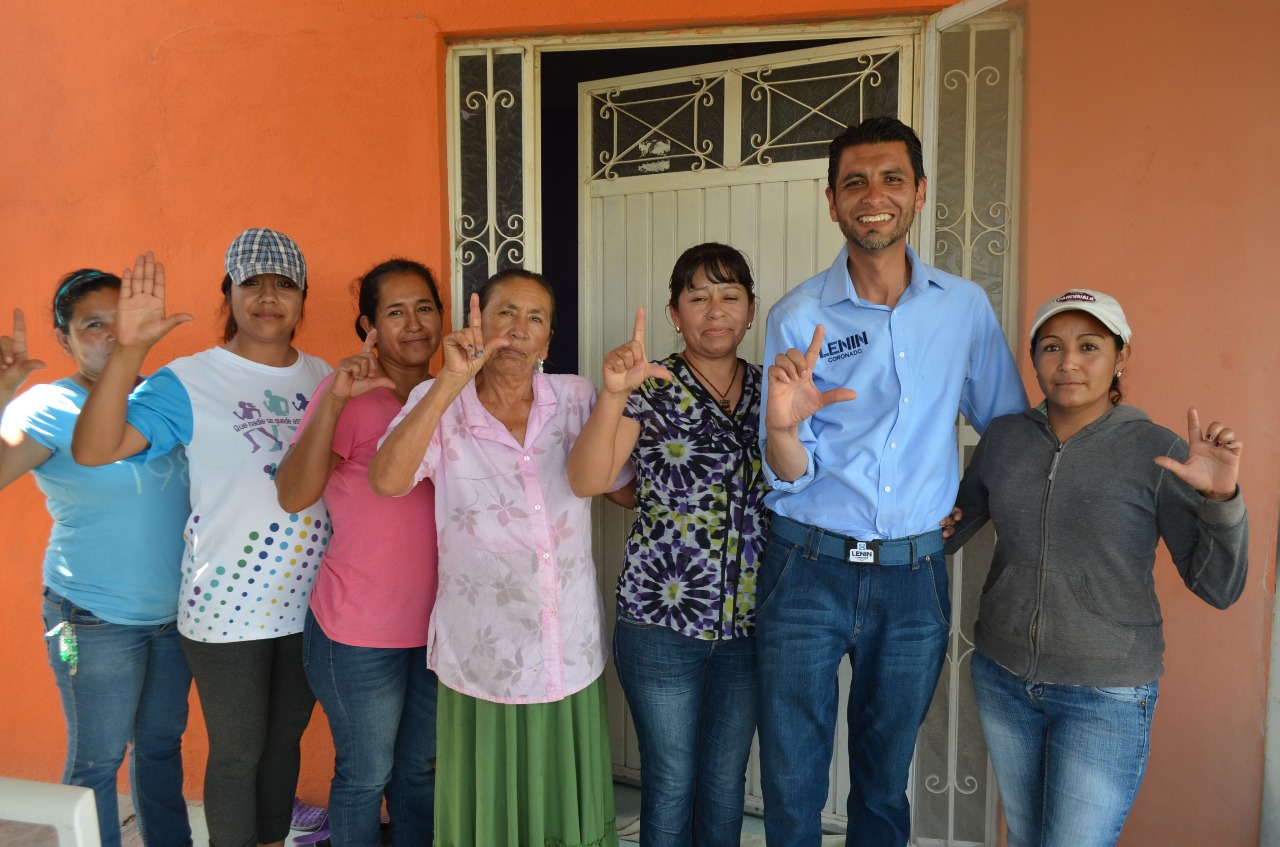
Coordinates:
[721,263]
[369,288]
[880,130]
[229,326]
[486,290]
[74,286]
[1115,394]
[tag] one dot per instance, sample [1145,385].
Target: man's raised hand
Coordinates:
[793,396]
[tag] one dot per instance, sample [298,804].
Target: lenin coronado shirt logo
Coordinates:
[843,348]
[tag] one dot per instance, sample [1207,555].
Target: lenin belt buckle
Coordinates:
[862,552]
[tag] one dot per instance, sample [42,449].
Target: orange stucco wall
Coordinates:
[1148,171]
[172,126]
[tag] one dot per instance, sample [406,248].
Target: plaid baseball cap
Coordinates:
[1104,307]
[265,251]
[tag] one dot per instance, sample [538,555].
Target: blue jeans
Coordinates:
[693,703]
[1068,758]
[130,688]
[381,704]
[892,621]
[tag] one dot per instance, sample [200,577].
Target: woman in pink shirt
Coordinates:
[517,635]
[365,637]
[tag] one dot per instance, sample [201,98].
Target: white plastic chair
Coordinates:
[69,809]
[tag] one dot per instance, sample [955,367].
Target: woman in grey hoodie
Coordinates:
[1068,638]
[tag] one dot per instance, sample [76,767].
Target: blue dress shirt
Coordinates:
[885,465]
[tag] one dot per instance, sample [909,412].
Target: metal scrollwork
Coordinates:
[650,131]
[489,227]
[801,111]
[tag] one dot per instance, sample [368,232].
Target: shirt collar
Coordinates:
[480,422]
[837,286]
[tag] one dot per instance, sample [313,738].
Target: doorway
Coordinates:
[516,138]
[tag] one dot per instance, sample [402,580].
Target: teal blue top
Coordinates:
[116,546]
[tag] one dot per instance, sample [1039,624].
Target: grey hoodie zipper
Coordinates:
[1044,545]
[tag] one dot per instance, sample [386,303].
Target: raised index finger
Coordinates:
[370,340]
[19,331]
[1194,432]
[638,335]
[473,316]
[811,355]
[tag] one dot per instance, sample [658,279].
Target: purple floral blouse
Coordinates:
[699,533]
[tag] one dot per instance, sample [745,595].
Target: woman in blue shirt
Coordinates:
[111,573]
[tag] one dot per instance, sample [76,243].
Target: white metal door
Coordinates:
[731,152]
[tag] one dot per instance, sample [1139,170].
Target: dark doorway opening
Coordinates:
[561,74]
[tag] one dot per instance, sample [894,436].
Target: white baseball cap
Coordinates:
[1104,307]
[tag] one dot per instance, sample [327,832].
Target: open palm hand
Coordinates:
[140,316]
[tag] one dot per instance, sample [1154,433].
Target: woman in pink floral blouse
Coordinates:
[517,635]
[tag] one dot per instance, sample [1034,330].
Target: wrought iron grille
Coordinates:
[782,112]
[791,113]
[489,227]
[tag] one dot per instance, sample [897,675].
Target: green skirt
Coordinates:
[536,775]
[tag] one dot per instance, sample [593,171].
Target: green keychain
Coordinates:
[68,650]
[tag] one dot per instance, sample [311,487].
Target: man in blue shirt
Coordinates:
[854,563]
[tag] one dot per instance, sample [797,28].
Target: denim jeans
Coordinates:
[1068,758]
[892,621]
[381,705]
[693,703]
[256,705]
[130,687]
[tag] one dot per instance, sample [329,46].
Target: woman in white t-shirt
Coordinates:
[249,565]
[365,640]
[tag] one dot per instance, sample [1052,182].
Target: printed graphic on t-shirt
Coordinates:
[272,430]
[266,589]
[250,566]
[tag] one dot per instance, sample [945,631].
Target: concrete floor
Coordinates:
[626,800]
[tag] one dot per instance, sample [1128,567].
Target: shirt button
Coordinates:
[553,613]
[906,399]
[893,445]
[546,555]
[886,488]
[902,354]
[526,458]
[537,507]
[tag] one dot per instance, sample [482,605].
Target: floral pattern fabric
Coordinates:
[518,617]
[700,529]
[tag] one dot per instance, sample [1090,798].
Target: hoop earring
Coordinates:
[666,313]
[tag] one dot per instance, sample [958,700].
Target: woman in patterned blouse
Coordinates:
[684,644]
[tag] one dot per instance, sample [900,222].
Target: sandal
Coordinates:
[306,817]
